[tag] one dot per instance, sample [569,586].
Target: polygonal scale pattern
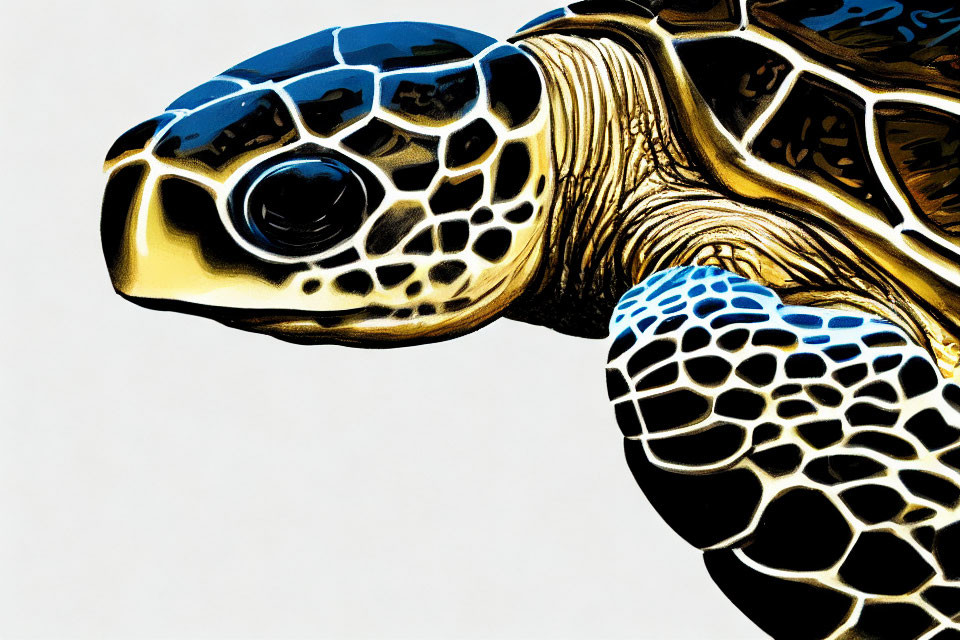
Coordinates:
[445,127]
[889,43]
[812,454]
[737,78]
[819,132]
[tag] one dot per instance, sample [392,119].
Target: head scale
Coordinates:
[384,183]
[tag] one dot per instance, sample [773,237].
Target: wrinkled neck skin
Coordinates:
[628,202]
[615,163]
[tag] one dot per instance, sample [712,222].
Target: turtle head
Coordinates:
[378,184]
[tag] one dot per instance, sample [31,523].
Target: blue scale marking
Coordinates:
[708,306]
[398,45]
[644,324]
[741,302]
[754,288]
[676,279]
[868,12]
[844,322]
[728,319]
[847,329]
[311,53]
[803,320]
[333,99]
[633,293]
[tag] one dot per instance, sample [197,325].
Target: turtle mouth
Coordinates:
[300,327]
[373,326]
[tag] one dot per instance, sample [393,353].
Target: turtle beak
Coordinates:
[123,191]
[136,139]
[124,188]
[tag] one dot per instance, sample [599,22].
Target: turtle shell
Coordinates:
[886,43]
[848,110]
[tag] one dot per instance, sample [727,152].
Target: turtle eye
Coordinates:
[304,207]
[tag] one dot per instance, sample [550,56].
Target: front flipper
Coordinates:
[811,453]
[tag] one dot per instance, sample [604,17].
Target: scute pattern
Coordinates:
[228,130]
[803,85]
[819,132]
[893,43]
[431,98]
[691,14]
[803,473]
[920,145]
[331,101]
[512,81]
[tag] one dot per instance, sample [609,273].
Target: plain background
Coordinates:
[162,476]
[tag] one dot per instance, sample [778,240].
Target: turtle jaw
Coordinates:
[371,326]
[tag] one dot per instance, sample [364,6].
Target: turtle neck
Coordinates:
[628,202]
[616,160]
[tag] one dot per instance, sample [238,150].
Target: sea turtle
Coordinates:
[757,201]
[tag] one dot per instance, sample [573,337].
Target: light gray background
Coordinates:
[164,477]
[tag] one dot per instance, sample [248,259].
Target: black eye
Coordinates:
[305,207]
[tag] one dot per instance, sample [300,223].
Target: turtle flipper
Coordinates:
[812,454]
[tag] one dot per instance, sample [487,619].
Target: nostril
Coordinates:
[304,207]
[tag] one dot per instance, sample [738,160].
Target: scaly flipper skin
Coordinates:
[812,454]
